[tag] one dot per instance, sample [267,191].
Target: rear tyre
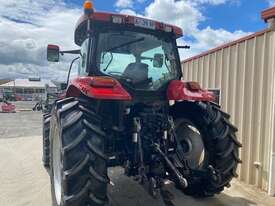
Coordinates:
[220,144]
[78,163]
[46,141]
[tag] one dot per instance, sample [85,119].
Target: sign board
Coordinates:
[145,23]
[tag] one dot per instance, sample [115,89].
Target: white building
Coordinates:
[27,89]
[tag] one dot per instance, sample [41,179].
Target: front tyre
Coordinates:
[215,157]
[78,163]
[46,141]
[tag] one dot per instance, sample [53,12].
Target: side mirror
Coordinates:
[53,53]
[63,86]
[158,60]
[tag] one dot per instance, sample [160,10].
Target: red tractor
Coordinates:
[128,107]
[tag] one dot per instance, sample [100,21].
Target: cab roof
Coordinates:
[120,19]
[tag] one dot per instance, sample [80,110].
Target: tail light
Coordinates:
[117,19]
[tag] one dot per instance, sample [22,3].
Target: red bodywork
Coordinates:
[8,108]
[104,88]
[179,90]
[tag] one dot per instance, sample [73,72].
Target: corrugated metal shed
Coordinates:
[243,71]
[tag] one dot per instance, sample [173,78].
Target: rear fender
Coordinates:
[73,91]
[188,91]
[97,88]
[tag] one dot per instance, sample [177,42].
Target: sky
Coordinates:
[27,26]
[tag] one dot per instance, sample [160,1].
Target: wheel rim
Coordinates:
[192,144]
[57,166]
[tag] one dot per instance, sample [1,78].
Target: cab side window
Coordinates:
[83,59]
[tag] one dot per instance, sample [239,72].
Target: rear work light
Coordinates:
[103,82]
[117,19]
[168,29]
[194,86]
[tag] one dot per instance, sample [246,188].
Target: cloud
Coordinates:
[188,16]
[25,32]
[213,2]
[208,38]
[25,35]
[271,2]
[124,3]
[26,10]
[128,12]
[179,13]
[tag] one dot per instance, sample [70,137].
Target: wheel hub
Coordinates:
[186,145]
[192,144]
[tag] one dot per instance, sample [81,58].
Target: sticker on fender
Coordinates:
[145,23]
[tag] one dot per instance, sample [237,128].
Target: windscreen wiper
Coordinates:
[126,44]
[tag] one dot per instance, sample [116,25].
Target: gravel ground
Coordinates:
[24,181]
[23,123]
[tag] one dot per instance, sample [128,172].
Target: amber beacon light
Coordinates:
[88,7]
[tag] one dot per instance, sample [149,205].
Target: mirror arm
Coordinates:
[77,51]
[184,47]
[69,73]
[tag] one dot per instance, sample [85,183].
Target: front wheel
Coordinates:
[78,163]
[210,146]
[46,141]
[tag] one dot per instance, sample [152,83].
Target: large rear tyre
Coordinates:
[46,141]
[217,155]
[78,163]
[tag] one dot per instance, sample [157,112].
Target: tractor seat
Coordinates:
[137,72]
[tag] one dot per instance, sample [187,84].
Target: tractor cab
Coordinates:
[139,53]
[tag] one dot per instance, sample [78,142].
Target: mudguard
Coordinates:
[190,91]
[98,87]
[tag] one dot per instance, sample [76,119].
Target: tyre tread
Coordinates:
[220,134]
[82,186]
[77,167]
[46,141]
